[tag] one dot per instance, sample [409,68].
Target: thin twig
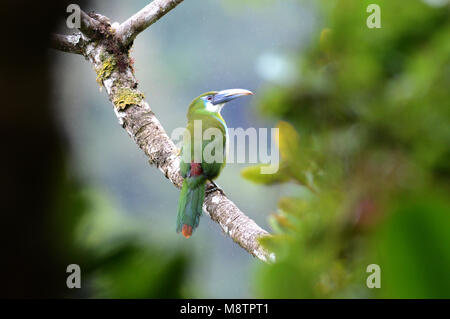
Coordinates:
[68,43]
[151,13]
[88,25]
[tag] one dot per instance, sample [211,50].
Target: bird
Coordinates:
[203,115]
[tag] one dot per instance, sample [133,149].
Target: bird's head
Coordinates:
[214,101]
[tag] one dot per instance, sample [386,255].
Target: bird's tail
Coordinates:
[190,204]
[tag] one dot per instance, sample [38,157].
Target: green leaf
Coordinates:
[292,205]
[253,174]
[288,142]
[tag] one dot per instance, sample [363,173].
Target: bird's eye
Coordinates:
[209,98]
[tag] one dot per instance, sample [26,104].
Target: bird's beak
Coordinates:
[228,95]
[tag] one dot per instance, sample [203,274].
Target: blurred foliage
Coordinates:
[120,264]
[115,261]
[138,271]
[365,134]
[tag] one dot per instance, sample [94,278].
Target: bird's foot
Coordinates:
[214,188]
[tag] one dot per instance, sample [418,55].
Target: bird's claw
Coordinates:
[214,188]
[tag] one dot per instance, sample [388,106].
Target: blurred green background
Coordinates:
[364,139]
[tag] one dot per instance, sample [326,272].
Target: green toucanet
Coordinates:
[206,133]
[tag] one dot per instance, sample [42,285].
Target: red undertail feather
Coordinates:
[196,169]
[186,231]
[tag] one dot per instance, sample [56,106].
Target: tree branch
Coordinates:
[88,25]
[151,13]
[116,74]
[68,43]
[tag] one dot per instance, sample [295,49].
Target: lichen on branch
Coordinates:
[125,97]
[107,67]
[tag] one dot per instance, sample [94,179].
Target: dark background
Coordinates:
[33,155]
